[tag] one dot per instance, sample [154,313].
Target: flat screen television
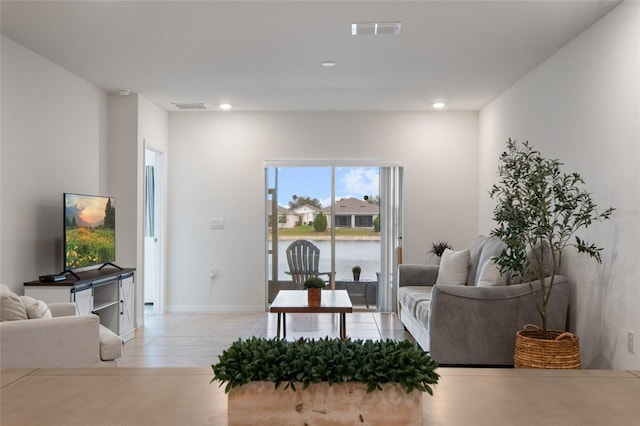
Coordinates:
[89,230]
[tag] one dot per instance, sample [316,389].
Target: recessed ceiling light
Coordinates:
[225,107]
[328,63]
[439,105]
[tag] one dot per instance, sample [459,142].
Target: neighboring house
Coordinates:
[306,213]
[286,217]
[352,213]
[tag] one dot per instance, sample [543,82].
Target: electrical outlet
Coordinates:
[630,341]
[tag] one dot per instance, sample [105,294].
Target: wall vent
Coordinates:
[195,105]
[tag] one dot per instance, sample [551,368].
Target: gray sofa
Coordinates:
[468,324]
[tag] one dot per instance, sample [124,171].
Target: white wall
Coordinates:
[583,107]
[133,120]
[53,137]
[216,168]
[123,177]
[153,133]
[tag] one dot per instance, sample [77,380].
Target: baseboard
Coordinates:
[214,309]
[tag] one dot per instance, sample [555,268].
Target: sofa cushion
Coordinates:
[422,312]
[490,275]
[110,344]
[409,296]
[11,306]
[36,309]
[482,249]
[454,267]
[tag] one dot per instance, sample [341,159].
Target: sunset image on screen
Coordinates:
[89,230]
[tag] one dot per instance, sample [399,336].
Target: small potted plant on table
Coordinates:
[314,286]
[356,272]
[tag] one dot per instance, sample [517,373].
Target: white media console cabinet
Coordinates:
[108,293]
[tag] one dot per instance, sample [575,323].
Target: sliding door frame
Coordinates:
[390,225]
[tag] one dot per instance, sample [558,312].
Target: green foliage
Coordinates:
[376,224]
[373,200]
[87,246]
[439,248]
[302,200]
[109,215]
[356,269]
[320,223]
[314,282]
[326,360]
[307,232]
[539,208]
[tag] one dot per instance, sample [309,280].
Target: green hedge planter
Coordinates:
[326,381]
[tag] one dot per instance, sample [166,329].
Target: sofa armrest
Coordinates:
[477,325]
[413,274]
[62,342]
[62,309]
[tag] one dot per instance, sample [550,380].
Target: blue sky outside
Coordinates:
[315,182]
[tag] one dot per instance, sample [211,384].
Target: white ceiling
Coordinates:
[265,55]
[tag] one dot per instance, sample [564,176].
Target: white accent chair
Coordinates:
[52,337]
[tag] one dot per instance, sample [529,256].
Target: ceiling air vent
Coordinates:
[375,28]
[196,105]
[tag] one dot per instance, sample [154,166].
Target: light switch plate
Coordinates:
[216,223]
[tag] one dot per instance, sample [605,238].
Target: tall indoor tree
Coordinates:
[539,209]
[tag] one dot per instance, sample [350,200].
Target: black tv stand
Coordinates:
[69,271]
[109,263]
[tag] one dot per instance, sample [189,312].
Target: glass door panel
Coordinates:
[300,195]
[357,233]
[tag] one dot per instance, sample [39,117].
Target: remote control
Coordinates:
[52,278]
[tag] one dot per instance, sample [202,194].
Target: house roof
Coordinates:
[353,206]
[281,210]
[266,55]
[305,208]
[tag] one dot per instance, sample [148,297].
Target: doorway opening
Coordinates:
[153,231]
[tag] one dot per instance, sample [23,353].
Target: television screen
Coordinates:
[89,230]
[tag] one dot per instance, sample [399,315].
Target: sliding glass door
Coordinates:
[339,209]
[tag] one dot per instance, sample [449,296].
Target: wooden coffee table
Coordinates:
[295,302]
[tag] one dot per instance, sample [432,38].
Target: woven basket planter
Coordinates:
[536,348]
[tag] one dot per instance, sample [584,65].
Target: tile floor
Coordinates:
[196,340]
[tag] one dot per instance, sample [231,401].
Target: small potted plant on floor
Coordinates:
[325,381]
[539,209]
[314,286]
[356,272]
[438,248]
